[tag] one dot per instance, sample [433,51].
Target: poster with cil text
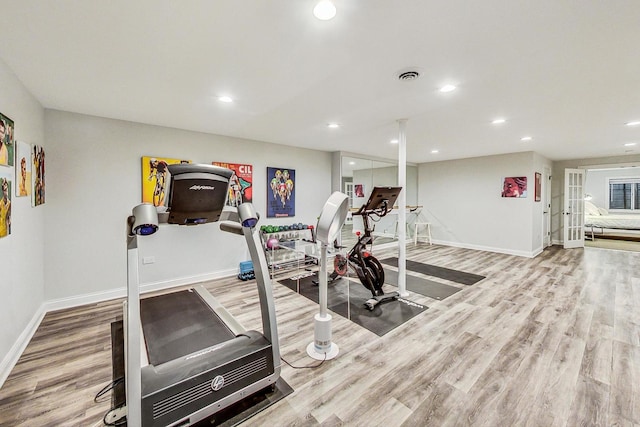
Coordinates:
[240,183]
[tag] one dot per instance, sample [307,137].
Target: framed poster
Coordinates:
[240,184]
[38,183]
[538,187]
[358,190]
[154,179]
[6,141]
[281,193]
[5,202]
[23,169]
[514,186]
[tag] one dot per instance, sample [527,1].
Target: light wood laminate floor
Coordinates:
[549,341]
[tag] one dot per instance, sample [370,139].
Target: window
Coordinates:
[624,193]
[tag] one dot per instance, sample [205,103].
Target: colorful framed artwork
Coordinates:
[6,141]
[23,169]
[514,186]
[281,195]
[358,190]
[240,184]
[38,183]
[5,202]
[538,187]
[154,179]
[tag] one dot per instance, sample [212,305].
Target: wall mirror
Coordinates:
[358,177]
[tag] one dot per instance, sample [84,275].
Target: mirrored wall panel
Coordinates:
[359,176]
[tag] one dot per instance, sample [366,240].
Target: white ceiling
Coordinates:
[565,72]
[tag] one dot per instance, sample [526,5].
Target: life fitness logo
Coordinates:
[201,187]
[217,383]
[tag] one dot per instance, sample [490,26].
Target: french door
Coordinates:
[573,208]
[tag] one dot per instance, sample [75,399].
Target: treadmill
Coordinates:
[186,357]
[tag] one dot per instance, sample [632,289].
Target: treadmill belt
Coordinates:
[179,323]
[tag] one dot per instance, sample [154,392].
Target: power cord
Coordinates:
[108,388]
[308,366]
[114,416]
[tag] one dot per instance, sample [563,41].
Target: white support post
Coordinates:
[402,209]
[133,380]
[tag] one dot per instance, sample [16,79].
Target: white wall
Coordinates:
[21,253]
[94,180]
[462,200]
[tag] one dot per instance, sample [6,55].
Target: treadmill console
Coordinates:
[196,193]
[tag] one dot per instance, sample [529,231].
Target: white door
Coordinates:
[573,208]
[546,210]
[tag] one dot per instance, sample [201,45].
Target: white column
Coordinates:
[402,209]
[133,341]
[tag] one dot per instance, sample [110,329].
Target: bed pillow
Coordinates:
[603,211]
[591,209]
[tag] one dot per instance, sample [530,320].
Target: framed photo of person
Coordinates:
[5,202]
[6,141]
[38,183]
[23,169]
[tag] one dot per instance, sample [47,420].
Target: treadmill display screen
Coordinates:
[197,193]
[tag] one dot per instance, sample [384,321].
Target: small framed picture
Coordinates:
[514,186]
[538,187]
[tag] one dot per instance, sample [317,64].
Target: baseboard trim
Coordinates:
[76,301]
[526,254]
[10,360]
[183,281]
[97,297]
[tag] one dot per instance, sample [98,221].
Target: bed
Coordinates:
[600,218]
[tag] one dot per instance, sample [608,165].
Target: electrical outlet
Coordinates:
[148,260]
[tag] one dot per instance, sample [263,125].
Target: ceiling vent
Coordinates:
[408,76]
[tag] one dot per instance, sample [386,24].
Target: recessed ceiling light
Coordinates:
[447,88]
[324,10]
[630,144]
[633,123]
[225,99]
[498,121]
[333,125]
[526,138]
[352,163]
[435,151]
[394,141]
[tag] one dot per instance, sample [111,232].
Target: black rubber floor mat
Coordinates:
[347,297]
[435,271]
[422,286]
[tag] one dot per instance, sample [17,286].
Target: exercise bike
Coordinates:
[359,259]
